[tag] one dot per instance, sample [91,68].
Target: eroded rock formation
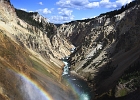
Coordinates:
[106,54]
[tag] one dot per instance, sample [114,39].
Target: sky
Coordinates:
[61,11]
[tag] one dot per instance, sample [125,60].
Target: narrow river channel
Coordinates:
[78,85]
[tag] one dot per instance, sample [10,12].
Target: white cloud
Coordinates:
[80,4]
[88,17]
[23,9]
[45,11]
[123,2]
[104,2]
[65,12]
[31,11]
[64,15]
[92,5]
[61,19]
[63,3]
[107,4]
[116,4]
[40,3]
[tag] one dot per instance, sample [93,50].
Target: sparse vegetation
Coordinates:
[48,29]
[122,92]
[131,76]
[18,22]
[119,11]
[27,17]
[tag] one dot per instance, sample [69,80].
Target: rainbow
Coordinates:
[43,95]
[80,95]
[30,89]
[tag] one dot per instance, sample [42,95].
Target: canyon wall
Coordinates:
[106,50]
[106,47]
[34,33]
[29,54]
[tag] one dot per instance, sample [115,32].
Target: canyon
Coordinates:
[103,51]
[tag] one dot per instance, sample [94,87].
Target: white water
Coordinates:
[80,86]
[66,68]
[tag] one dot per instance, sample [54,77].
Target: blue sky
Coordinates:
[61,11]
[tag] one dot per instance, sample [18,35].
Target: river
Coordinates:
[77,84]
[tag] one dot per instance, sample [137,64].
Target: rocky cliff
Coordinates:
[43,35]
[32,31]
[29,57]
[106,47]
[106,50]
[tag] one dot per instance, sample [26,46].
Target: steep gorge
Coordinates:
[106,47]
[35,38]
[106,51]
[28,59]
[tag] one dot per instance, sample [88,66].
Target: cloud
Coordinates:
[45,11]
[123,2]
[64,15]
[88,17]
[40,3]
[72,3]
[80,4]
[92,5]
[116,4]
[23,9]
[31,11]
[63,3]
[65,12]
[61,19]
[107,4]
